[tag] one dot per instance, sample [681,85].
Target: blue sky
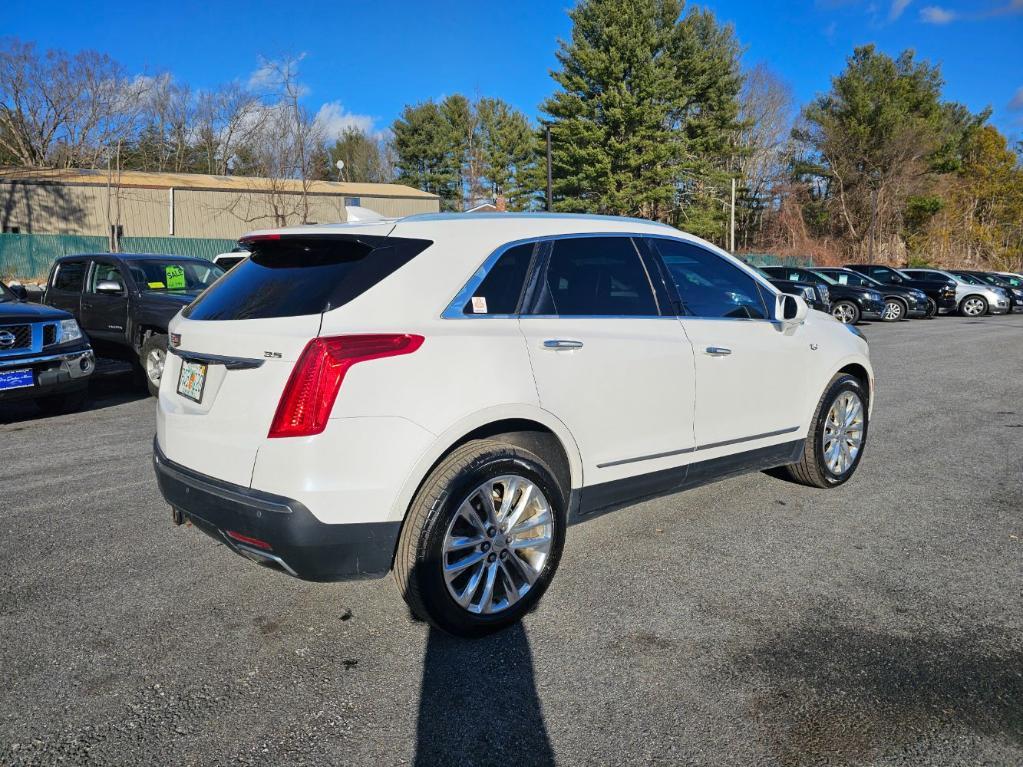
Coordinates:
[366,59]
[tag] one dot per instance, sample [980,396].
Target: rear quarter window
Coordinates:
[295,276]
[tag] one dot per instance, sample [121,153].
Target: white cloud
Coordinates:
[272,75]
[933,14]
[332,119]
[1016,104]
[898,6]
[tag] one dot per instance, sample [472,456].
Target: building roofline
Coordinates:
[206,183]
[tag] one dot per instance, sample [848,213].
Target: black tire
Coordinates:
[975,300]
[419,560]
[812,470]
[154,344]
[849,309]
[898,308]
[932,309]
[60,404]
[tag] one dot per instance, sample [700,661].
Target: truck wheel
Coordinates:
[932,308]
[60,404]
[482,539]
[152,359]
[838,434]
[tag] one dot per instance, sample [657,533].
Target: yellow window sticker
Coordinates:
[156,285]
[175,277]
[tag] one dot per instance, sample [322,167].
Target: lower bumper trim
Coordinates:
[300,544]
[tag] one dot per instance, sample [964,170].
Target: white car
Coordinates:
[443,395]
[973,296]
[230,259]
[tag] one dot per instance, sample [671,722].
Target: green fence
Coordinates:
[769,259]
[30,255]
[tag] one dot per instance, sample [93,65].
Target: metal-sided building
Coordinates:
[137,204]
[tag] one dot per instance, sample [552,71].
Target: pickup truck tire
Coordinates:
[59,404]
[841,417]
[152,359]
[472,566]
[932,308]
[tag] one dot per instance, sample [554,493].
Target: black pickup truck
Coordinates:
[123,301]
[43,355]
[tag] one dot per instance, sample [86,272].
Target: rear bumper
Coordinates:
[56,373]
[293,540]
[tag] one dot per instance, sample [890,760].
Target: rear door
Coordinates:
[65,287]
[608,361]
[104,315]
[233,349]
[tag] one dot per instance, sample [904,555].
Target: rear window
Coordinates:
[294,276]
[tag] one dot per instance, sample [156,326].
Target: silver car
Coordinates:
[973,297]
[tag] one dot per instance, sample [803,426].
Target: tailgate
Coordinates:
[247,364]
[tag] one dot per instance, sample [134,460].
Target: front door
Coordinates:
[608,362]
[105,314]
[749,378]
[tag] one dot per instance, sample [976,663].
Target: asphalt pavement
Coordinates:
[747,622]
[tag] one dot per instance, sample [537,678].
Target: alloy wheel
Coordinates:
[973,307]
[892,311]
[843,432]
[497,544]
[844,313]
[154,364]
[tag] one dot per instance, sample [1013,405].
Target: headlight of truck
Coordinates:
[809,296]
[69,331]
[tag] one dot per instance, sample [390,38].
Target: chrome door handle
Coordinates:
[717,351]
[561,343]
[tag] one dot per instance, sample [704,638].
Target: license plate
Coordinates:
[16,379]
[192,380]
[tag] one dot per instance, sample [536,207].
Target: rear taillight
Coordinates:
[312,388]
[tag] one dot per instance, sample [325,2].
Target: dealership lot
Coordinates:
[751,621]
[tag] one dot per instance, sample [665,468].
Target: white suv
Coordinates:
[442,395]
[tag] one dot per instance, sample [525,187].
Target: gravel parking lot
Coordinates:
[747,622]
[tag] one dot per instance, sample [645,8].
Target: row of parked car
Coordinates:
[123,303]
[860,292]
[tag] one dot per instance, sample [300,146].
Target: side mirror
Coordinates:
[110,288]
[791,310]
[19,291]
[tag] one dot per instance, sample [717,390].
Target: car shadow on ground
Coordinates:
[109,390]
[478,702]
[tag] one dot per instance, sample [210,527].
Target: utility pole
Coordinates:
[550,185]
[731,238]
[873,223]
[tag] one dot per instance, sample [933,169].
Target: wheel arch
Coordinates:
[531,428]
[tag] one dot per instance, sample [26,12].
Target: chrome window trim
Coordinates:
[454,308]
[698,448]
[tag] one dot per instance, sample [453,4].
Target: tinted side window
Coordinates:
[500,290]
[709,286]
[600,276]
[880,273]
[105,273]
[70,276]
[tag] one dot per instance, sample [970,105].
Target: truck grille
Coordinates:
[49,334]
[22,337]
